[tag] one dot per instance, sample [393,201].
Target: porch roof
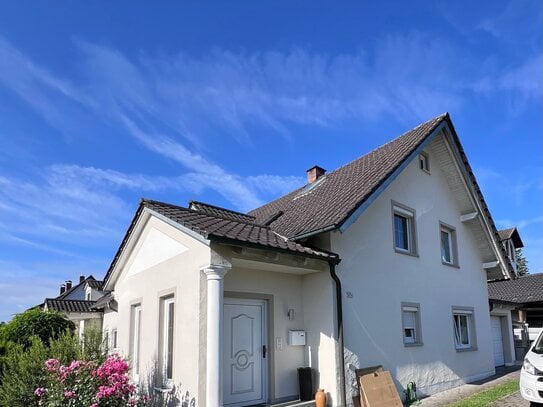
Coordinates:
[227,226]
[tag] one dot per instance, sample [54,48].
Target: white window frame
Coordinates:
[416,339]
[135,332]
[402,211]
[114,339]
[452,243]
[166,319]
[468,314]
[424,162]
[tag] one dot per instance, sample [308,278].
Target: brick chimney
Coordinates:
[62,289]
[68,284]
[314,173]
[81,278]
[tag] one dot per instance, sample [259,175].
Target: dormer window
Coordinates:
[424,162]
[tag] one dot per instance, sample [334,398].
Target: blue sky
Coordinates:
[102,103]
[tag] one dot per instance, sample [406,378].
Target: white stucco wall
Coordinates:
[322,351]
[312,298]
[376,280]
[149,273]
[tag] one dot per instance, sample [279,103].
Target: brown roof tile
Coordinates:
[523,290]
[329,201]
[69,305]
[222,224]
[511,233]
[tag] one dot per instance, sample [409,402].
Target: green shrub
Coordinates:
[45,325]
[24,368]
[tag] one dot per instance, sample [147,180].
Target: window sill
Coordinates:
[407,253]
[412,345]
[163,389]
[473,348]
[454,265]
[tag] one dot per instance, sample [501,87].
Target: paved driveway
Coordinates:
[514,400]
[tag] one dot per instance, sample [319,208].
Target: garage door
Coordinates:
[497,341]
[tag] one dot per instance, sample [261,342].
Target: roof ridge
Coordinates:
[145,201]
[67,299]
[219,207]
[438,117]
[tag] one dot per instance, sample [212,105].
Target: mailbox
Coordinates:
[296,338]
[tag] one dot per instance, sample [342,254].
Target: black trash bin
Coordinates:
[306,383]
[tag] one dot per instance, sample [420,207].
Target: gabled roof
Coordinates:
[335,199]
[511,233]
[89,279]
[220,225]
[329,201]
[523,290]
[69,305]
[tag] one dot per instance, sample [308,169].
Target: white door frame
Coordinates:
[249,300]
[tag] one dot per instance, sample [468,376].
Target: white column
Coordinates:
[215,298]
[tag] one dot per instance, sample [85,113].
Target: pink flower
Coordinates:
[70,394]
[94,405]
[40,391]
[52,364]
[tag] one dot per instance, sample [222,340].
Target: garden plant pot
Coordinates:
[320,398]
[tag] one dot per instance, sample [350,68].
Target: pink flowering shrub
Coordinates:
[84,384]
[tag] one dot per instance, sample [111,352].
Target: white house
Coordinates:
[77,302]
[383,261]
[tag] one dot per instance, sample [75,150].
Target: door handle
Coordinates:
[264,351]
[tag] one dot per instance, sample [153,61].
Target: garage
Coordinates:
[497,340]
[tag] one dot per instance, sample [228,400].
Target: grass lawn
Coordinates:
[488,396]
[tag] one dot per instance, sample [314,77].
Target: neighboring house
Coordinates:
[523,296]
[382,261]
[504,317]
[77,302]
[511,241]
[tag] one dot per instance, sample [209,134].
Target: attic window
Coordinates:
[424,162]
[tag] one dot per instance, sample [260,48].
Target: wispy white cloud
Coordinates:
[519,223]
[524,79]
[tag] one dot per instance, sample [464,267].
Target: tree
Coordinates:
[522,263]
[46,325]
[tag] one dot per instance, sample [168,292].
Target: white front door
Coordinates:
[497,340]
[244,365]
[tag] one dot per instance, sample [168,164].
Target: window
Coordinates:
[114,339]
[135,338]
[88,295]
[464,329]
[167,332]
[404,229]
[411,324]
[106,338]
[424,162]
[448,245]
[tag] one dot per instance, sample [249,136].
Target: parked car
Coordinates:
[531,374]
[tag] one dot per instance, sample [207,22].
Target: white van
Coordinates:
[531,374]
